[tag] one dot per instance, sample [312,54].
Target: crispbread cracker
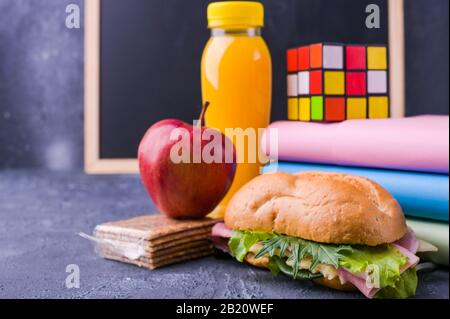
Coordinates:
[141,262]
[168,255]
[199,244]
[166,241]
[177,255]
[153,227]
[154,241]
[179,242]
[162,251]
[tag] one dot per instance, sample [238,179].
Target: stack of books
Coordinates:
[409,157]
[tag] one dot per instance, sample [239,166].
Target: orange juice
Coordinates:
[237,80]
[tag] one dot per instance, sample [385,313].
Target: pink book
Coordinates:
[418,143]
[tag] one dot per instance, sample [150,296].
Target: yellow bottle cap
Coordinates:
[235,14]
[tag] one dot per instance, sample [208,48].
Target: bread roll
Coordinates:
[321,207]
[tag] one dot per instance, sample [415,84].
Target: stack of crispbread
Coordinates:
[154,241]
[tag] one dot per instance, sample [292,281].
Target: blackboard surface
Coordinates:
[151,52]
[34,86]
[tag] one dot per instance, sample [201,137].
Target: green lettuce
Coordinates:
[276,246]
[241,242]
[405,287]
[381,263]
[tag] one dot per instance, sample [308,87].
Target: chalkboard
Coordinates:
[149,54]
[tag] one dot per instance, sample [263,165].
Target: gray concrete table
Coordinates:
[41,214]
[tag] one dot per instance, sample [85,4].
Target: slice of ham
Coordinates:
[408,246]
[220,234]
[413,260]
[409,241]
[221,230]
[358,281]
[221,244]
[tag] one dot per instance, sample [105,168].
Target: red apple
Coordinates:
[189,189]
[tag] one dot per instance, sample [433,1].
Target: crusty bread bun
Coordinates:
[262,262]
[335,283]
[322,207]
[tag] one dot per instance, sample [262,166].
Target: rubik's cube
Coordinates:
[334,82]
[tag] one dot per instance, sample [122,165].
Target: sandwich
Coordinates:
[340,231]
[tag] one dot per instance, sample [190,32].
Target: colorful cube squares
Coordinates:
[292,60]
[316,82]
[303,83]
[327,56]
[304,104]
[355,83]
[315,51]
[356,57]
[292,85]
[303,58]
[334,109]
[317,108]
[333,57]
[378,107]
[377,82]
[356,108]
[377,58]
[334,82]
[293,109]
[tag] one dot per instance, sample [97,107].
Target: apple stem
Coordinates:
[201,120]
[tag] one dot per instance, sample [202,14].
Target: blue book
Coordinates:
[420,194]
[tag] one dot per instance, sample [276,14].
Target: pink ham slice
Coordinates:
[358,281]
[221,244]
[220,234]
[409,241]
[221,230]
[413,260]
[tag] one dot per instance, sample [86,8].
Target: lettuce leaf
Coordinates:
[274,266]
[381,263]
[405,287]
[241,242]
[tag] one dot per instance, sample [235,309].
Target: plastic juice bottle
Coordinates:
[237,80]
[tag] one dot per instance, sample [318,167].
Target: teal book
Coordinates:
[424,195]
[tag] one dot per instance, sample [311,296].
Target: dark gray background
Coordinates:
[41,77]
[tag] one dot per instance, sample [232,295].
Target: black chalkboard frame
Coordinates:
[95,164]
